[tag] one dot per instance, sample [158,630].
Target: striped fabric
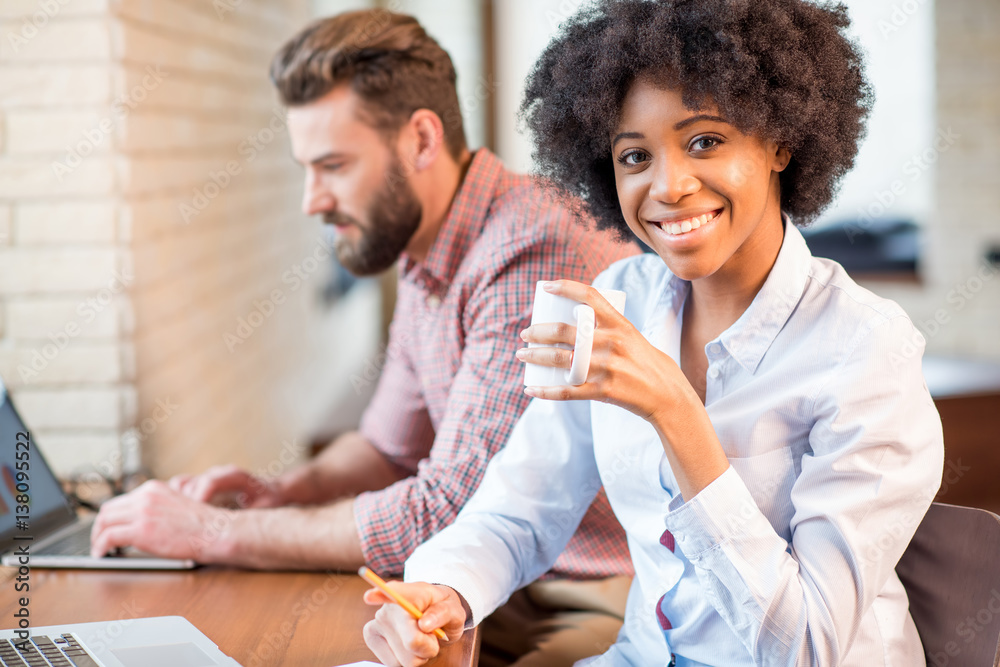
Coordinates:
[835,448]
[451,387]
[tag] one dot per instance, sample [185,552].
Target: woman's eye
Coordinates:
[705,143]
[633,158]
[332,166]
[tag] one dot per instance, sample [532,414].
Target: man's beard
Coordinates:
[393,219]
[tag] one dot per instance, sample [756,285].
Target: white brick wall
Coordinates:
[65,37]
[113,115]
[69,222]
[34,318]
[33,270]
[36,85]
[91,408]
[33,178]
[5,225]
[19,11]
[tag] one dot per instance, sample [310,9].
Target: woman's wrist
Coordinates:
[689,441]
[675,400]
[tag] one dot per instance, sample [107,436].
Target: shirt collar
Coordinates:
[464,222]
[749,338]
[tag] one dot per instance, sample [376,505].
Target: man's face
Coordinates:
[355,180]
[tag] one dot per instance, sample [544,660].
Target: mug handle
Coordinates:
[584,345]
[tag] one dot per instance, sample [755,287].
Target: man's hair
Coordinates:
[388,60]
[776,69]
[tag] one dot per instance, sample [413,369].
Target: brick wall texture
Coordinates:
[159,287]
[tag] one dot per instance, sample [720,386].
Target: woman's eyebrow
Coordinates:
[677,128]
[626,135]
[694,119]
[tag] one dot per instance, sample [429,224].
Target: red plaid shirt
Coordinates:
[451,389]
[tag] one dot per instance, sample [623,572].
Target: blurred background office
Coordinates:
[165,305]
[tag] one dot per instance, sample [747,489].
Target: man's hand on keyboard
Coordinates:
[229,486]
[161,521]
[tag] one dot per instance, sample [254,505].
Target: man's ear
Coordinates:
[782,156]
[428,133]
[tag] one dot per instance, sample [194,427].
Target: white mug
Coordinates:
[550,308]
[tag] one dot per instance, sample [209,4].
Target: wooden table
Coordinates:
[259,618]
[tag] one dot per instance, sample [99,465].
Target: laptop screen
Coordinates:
[47,505]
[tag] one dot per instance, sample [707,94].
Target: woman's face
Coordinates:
[698,192]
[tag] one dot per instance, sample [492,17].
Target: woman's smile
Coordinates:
[685,231]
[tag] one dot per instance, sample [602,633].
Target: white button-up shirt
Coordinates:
[835,451]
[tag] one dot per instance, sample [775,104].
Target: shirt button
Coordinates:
[714,348]
[713,372]
[433,301]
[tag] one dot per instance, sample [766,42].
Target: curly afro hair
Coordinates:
[777,69]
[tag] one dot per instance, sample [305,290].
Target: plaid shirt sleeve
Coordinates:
[484,403]
[396,420]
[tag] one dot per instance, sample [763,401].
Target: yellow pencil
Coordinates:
[376,580]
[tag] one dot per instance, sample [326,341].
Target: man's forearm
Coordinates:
[349,466]
[297,538]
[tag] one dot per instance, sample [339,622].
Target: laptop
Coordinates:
[49,529]
[162,641]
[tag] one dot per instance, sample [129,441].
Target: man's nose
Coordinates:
[317,199]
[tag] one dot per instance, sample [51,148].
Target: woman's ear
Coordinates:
[782,156]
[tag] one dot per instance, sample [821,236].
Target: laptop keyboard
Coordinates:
[43,651]
[76,543]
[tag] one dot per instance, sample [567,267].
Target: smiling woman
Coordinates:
[694,188]
[780,70]
[748,415]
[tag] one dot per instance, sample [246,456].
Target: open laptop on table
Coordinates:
[55,537]
[53,533]
[162,641]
